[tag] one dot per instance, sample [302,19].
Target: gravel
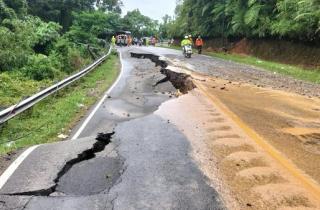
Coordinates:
[248,74]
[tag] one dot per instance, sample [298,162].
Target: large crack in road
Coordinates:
[94,179]
[181,81]
[162,152]
[102,141]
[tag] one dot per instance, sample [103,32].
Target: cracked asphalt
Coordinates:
[237,72]
[147,165]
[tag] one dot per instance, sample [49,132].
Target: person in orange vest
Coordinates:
[199,44]
[129,41]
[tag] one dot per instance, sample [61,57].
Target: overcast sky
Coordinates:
[154,9]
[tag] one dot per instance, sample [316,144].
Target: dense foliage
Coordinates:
[294,19]
[48,39]
[83,31]
[139,24]
[61,11]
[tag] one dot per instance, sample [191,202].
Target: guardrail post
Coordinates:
[91,53]
[2,127]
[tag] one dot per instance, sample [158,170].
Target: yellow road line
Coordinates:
[309,184]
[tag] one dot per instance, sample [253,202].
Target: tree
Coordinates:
[164,26]
[91,27]
[109,5]
[61,10]
[12,9]
[294,19]
[298,19]
[17,40]
[139,24]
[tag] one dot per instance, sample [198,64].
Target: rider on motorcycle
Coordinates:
[185,42]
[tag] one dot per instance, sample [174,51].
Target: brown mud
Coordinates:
[289,122]
[239,169]
[255,179]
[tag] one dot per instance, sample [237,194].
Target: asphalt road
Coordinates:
[147,165]
[237,72]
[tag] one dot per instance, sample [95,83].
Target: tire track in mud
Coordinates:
[252,178]
[247,167]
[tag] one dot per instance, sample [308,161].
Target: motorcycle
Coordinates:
[187,51]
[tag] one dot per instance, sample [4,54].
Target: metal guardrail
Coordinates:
[15,110]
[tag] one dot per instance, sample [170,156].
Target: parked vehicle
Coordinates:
[123,38]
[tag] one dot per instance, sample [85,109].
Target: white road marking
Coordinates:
[85,123]
[13,167]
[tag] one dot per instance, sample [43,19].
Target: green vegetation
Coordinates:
[43,41]
[55,115]
[39,50]
[139,24]
[14,87]
[293,71]
[61,11]
[49,39]
[297,20]
[291,19]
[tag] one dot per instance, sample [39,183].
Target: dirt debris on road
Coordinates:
[231,162]
[289,122]
[246,176]
[242,73]
[256,180]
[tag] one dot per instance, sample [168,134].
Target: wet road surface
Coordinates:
[160,151]
[147,165]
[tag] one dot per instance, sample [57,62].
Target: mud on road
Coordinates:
[255,179]
[183,152]
[289,123]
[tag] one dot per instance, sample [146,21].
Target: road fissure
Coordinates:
[102,141]
[181,81]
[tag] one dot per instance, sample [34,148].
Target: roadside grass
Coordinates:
[310,75]
[14,86]
[59,113]
[285,69]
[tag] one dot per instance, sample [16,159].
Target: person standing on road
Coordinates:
[123,41]
[113,41]
[171,42]
[129,41]
[199,44]
[119,40]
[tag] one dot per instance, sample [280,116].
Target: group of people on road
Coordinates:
[128,41]
[188,40]
[123,40]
